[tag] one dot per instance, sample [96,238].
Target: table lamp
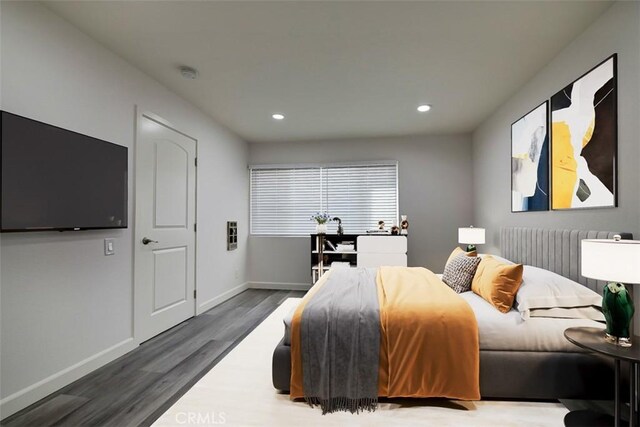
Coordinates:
[471,236]
[616,261]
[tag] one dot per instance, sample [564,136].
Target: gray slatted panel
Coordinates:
[545,251]
[514,242]
[541,245]
[554,250]
[574,253]
[551,256]
[528,249]
[566,254]
[534,245]
[503,241]
[557,244]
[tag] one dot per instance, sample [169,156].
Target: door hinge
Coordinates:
[195,293]
[195,160]
[195,226]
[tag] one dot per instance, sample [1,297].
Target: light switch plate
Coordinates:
[109,247]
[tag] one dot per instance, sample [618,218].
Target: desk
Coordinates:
[592,339]
[376,250]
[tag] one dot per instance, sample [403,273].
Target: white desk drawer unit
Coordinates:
[376,251]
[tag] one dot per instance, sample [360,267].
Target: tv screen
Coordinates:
[55,179]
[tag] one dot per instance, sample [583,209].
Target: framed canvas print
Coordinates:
[530,161]
[584,140]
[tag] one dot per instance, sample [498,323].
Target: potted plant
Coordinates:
[321,220]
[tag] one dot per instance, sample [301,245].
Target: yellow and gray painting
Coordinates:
[584,140]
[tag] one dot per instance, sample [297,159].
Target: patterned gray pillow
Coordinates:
[459,272]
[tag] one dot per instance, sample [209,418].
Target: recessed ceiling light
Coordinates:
[188,72]
[278,116]
[424,108]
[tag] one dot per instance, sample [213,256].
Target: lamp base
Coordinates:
[471,248]
[619,341]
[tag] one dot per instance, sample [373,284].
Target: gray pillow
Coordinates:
[459,272]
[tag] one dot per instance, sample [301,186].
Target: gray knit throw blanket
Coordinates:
[340,342]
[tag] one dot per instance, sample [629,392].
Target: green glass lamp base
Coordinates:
[471,248]
[617,307]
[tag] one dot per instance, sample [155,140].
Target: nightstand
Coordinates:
[592,339]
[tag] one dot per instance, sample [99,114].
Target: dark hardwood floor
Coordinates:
[140,386]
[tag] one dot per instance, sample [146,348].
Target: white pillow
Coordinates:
[497,258]
[591,313]
[545,289]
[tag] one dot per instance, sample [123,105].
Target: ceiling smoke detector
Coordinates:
[188,72]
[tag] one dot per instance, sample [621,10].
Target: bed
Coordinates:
[523,359]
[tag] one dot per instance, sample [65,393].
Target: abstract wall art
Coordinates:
[530,161]
[584,140]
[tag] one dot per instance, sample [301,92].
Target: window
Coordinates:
[283,198]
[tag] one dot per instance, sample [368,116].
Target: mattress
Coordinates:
[507,331]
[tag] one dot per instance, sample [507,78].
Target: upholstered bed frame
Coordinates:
[522,374]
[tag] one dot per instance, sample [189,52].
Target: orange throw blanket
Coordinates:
[429,338]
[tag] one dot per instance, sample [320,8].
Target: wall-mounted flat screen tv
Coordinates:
[56,179]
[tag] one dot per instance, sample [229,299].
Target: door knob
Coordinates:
[146,241]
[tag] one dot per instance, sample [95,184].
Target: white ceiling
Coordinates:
[338,69]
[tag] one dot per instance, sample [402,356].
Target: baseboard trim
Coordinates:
[280,286]
[31,394]
[210,303]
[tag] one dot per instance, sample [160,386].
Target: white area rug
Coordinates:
[238,392]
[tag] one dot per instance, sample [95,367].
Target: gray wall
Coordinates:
[435,192]
[65,307]
[617,30]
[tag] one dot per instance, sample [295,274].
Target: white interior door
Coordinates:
[165,227]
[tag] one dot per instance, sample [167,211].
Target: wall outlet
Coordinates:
[109,247]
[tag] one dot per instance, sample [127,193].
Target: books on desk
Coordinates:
[345,247]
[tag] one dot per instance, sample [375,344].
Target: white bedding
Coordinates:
[507,331]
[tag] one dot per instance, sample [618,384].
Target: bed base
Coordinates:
[522,375]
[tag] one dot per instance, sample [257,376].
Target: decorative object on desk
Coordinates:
[471,237]
[381,225]
[617,261]
[340,230]
[584,140]
[404,225]
[321,220]
[395,230]
[232,235]
[345,247]
[330,245]
[530,161]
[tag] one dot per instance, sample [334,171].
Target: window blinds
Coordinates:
[284,198]
[361,195]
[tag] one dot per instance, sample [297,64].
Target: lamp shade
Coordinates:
[471,236]
[611,260]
